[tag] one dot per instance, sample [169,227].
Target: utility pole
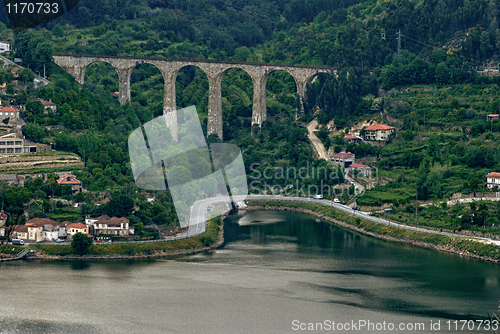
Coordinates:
[399,40]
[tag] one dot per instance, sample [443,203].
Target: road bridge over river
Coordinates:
[169,68]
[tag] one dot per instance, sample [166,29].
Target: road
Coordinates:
[38,82]
[364,215]
[200,216]
[318,145]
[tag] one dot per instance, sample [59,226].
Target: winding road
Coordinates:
[318,145]
[365,215]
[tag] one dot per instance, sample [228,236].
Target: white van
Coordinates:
[318,196]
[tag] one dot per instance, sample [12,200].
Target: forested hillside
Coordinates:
[443,44]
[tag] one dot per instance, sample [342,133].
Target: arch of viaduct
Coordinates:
[76,65]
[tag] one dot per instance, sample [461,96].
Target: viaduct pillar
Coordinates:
[124,84]
[214,121]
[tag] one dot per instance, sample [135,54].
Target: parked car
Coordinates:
[356,208]
[17,242]
[336,200]
[318,196]
[342,202]
[59,240]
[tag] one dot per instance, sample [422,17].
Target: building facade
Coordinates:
[493,180]
[379,132]
[343,159]
[11,143]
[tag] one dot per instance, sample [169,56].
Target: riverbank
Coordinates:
[211,239]
[459,246]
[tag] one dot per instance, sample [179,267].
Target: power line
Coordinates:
[473,60]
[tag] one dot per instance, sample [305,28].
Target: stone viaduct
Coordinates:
[77,64]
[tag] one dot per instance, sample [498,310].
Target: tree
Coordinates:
[10,89]
[58,31]
[26,75]
[118,206]
[81,243]
[34,132]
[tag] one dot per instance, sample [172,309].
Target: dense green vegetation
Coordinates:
[430,91]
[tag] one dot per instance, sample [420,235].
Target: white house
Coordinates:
[344,159]
[379,132]
[49,105]
[492,180]
[50,233]
[4,46]
[110,226]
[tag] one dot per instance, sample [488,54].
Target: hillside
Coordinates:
[429,91]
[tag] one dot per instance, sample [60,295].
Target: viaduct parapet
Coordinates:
[76,65]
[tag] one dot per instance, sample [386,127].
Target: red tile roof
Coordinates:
[375,127]
[68,179]
[342,155]
[494,175]
[77,226]
[20,228]
[47,103]
[351,137]
[357,166]
[41,221]
[104,201]
[9,109]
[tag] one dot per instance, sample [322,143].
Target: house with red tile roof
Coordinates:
[49,104]
[104,201]
[344,159]
[360,169]
[74,228]
[492,180]
[68,179]
[104,225]
[379,132]
[9,112]
[492,117]
[19,232]
[352,138]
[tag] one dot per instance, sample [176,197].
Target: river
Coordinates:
[278,272]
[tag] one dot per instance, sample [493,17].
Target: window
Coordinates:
[18,150]
[10,150]
[2,143]
[10,143]
[26,150]
[1,113]
[18,142]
